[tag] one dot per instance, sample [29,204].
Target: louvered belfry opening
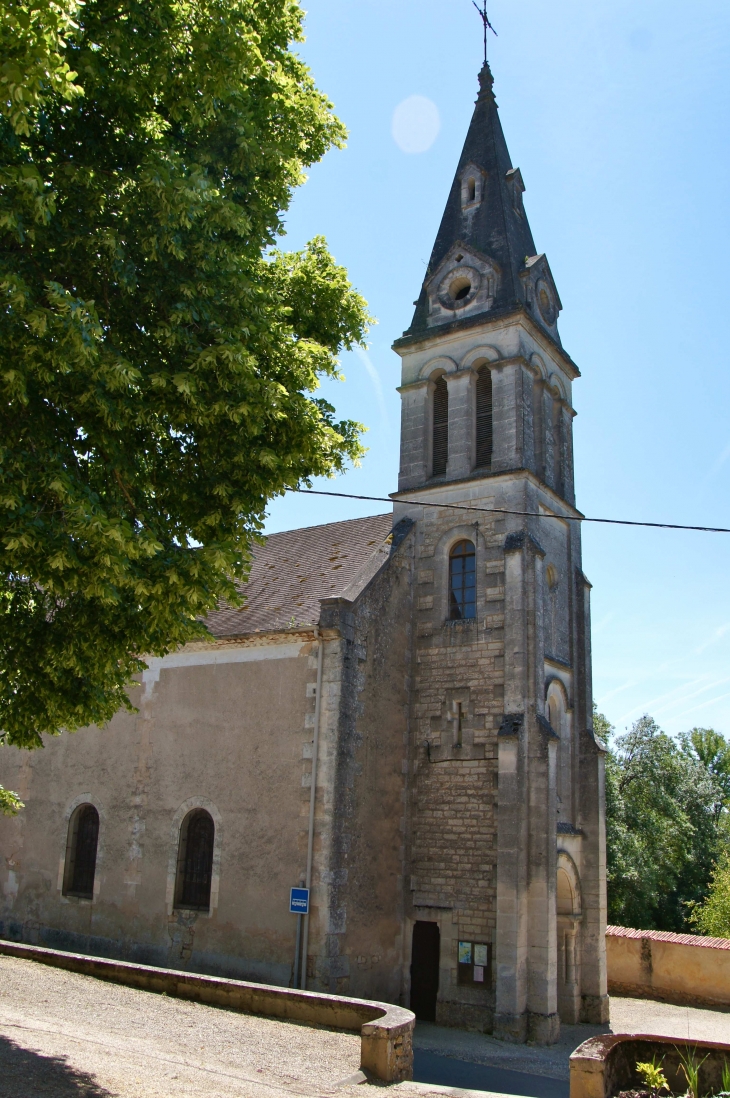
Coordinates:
[196,869]
[83,846]
[440,427]
[484,418]
[462,581]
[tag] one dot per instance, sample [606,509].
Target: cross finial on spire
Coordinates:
[485,20]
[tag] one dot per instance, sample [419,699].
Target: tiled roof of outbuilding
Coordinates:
[293,570]
[668,936]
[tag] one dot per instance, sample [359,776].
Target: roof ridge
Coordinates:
[324,525]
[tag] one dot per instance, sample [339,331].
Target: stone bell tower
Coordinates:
[505,825]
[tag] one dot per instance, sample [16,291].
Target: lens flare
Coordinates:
[416,124]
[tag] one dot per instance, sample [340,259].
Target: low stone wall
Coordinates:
[604,1066]
[386,1031]
[675,968]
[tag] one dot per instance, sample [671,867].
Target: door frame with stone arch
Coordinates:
[569,918]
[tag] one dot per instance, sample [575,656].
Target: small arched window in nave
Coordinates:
[484,418]
[440,427]
[195,861]
[462,581]
[83,840]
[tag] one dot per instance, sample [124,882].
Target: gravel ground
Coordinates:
[64,1036]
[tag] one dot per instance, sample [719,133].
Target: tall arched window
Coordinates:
[83,839]
[440,427]
[195,861]
[484,417]
[462,581]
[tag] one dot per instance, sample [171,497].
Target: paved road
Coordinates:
[455,1058]
[429,1067]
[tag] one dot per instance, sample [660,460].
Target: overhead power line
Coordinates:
[522,514]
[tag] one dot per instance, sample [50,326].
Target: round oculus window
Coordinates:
[459,287]
[546,304]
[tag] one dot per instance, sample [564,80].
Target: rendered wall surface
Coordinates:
[676,968]
[228,736]
[230,727]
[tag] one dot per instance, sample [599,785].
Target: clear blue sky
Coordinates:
[618,114]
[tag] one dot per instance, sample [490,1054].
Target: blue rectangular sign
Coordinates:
[299,901]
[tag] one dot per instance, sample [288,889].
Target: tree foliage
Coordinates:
[665,822]
[712,915]
[160,356]
[32,47]
[10,803]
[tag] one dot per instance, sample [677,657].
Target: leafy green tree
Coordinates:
[710,748]
[662,833]
[712,916]
[160,357]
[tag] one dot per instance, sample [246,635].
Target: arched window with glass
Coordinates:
[462,581]
[440,453]
[81,850]
[195,861]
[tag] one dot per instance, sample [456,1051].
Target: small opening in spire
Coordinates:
[472,186]
[460,288]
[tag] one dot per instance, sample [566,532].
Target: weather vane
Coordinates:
[485,20]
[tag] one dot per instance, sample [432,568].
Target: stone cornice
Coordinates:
[571,512]
[518,312]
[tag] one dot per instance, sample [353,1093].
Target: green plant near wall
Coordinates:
[652,1075]
[691,1065]
[725,1092]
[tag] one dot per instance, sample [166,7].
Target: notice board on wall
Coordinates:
[474,964]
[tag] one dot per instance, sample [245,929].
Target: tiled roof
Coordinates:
[292,571]
[668,936]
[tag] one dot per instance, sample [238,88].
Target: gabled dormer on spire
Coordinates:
[484,257]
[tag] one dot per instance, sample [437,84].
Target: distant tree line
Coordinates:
[667,828]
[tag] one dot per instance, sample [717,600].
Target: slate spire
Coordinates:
[484,211]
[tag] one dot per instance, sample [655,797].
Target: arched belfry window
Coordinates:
[484,418]
[83,840]
[440,426]
[462,581]
[195,861]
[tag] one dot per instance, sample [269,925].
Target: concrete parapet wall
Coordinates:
[386,1031]
[675,968]
[604,1066]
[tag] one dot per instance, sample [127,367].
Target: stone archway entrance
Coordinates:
[569,944]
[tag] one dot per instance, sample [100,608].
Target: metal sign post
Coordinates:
[299,906]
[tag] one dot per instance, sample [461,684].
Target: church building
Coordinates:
[399,718]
